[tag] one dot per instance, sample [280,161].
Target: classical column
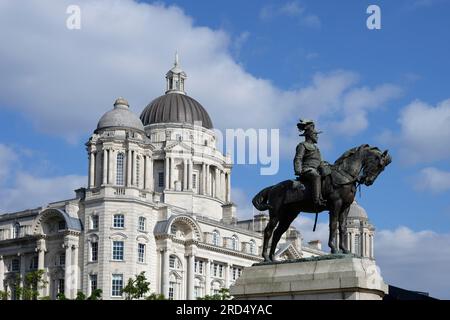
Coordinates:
[208,181]
[172,173]
[129,168]
[228,187]
[203,183]
[217,185]
[227,275]
[75,268]
[190,276]
[190,174]
[133,169]
[91,169]
[185,174]
[2,273]
[167,173]
[146,170]
[150,173]
[22,270]
[165,253]
[105,166]
[67,268]
[208,277]
[222,185]
[41,249]
[111,166]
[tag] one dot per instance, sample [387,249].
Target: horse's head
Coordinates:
[373,164]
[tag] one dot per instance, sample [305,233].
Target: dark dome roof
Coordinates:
[175,107]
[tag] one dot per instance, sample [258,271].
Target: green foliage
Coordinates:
[45,298]
[156,296]
[137,288]
[80,296]
[61,296]
[4,295]
[224,294]
[96,295]
[33,283]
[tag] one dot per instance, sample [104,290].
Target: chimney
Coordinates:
[295,237]
[260,222]
[229,213]
[316,244]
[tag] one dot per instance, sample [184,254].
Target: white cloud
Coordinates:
[433,180]
[291,9]
[64,80]
[359,102]
[424,132]
[29,191]
[415,260]
[244,205]
[24,190]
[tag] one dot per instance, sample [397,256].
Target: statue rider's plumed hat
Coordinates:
[307,126]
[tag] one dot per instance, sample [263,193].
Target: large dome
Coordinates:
[357,212]
[175,108]
[120,116]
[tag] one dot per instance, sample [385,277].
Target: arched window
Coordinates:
[234,243]
[252,247]
[119,175]
[215,237]
[138,170]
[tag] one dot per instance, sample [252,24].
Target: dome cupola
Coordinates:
[120,117]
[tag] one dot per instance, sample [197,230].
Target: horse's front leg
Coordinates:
[343,236]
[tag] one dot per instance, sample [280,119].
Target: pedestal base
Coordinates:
[331,277]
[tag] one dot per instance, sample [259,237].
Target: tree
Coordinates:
[96,295]
[33,283]
[80,296]
[4,295]
[224,294]
[156,296]
[61,296]
[137,288]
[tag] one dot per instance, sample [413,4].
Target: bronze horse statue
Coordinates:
[285,200]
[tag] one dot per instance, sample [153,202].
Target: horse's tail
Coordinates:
[260,200]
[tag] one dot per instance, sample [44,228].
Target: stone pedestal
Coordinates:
[331,277]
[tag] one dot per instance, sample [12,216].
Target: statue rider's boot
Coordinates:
[317,197]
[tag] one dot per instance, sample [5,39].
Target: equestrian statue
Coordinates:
[319,187]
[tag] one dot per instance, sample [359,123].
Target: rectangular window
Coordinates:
[141,226]
[94,251]
[172,262]
[141,252]
[161,179]
[94,222]
[61,286]
[117,285]
[62,259]
[119,221]
[15,265]
[194,181]
[34,263]
[117,250]
[171,290]
[198,266]
[93,282]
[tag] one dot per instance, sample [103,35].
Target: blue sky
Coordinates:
[271,63]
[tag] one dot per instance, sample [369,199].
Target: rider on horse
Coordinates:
[308,160]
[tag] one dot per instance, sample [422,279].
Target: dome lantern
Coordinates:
[175,78]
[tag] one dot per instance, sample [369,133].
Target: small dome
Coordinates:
[357,212]
[120,116]
[175,108]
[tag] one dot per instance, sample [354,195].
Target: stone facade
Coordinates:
[158,199]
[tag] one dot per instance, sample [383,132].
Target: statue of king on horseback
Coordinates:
[319,187]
